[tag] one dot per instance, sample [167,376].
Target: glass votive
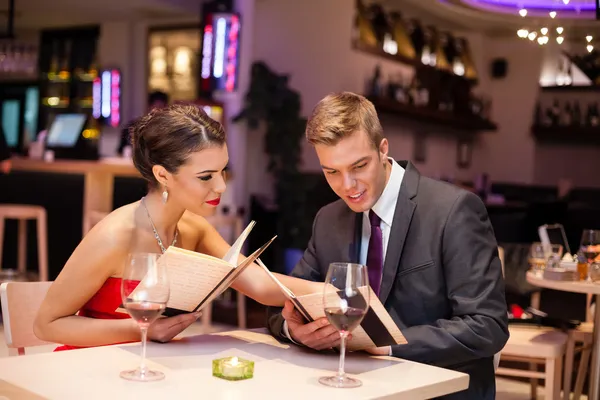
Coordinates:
[233,368]
[595,272]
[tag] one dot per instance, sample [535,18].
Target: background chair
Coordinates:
[20,303]
[535,345]
[23,213]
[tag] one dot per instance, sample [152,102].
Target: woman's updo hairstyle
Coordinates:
[167,136]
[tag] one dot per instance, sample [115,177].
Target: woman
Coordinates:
[182,154]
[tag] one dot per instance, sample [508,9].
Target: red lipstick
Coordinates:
[214,202]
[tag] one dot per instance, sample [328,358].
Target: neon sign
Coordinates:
[220,52]
[106,92]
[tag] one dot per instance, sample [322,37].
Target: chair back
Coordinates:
[501,256]
[20,303]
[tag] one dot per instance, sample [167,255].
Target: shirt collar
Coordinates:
[386,204]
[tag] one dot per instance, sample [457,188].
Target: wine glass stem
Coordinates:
[341,374]
[144,330]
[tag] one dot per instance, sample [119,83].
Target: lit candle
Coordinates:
[233,368]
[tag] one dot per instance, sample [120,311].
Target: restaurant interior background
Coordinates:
[471,91]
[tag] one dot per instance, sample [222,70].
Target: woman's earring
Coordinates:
[165,196]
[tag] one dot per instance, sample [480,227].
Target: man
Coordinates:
[5,162]
[156,99]
[429,248]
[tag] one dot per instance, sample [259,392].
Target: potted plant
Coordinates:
[272,104]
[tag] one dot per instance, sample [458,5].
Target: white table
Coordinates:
[280,372]
[586,288]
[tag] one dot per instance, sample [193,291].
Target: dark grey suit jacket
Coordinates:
[442,280]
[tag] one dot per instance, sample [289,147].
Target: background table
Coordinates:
[280,372]
[587,288]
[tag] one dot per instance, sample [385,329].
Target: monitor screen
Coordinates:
[65,130]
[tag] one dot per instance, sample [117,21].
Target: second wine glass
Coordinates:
[144,292]
[346,301]
[590,247]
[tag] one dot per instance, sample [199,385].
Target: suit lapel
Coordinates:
[405,207]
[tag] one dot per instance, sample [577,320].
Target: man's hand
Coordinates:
[164,329]
[5,166]
[380,351]
[318,335]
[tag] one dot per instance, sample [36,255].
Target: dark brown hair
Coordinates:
[340,115]
[167,136]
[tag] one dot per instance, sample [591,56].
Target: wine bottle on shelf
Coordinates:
[417,37]
[569,75]
[53,68]
[65,72]
[576,114]
[592,118]
[467,59]
[538,119]
[560,74]
[555,113]
[566,116]
[428,54]
[441,40]
[400,35]
[363,30]
[93,68]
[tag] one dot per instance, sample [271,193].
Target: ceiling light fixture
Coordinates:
[589,38]
[532,35]
[566,1]
[522,33]
[559,30]
[590,48]
[552,14]
[523,12]
[544,31]
[560,39]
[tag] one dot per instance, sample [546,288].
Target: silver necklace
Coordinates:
[156,235]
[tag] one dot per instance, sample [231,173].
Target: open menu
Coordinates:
[196,279]
[377,328]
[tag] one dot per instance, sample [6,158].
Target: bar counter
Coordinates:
[98,181]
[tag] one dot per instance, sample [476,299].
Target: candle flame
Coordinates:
[234,361]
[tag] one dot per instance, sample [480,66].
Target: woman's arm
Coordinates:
[99,255]
[254,282]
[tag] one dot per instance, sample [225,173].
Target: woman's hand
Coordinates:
[165,329]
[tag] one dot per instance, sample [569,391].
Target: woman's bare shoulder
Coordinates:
[193,225]
[117,229]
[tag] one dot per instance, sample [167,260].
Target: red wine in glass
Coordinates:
[345,303]
[345,320]
[144,293]
[144,312]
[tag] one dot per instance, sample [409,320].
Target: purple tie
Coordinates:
[375,253]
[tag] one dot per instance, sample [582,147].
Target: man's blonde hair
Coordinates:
[339,115]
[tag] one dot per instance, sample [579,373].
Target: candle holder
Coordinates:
[233,368]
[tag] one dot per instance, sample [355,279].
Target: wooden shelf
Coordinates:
[571,88]
[378,52]
[578,136]
[444,119]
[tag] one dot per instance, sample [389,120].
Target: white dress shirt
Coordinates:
[384,208]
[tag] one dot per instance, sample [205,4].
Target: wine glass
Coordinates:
[346,301]
[590,247]
[144,292]
[536,258]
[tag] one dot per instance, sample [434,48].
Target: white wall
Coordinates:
[310,41]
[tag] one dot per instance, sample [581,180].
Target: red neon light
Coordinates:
[115,98]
